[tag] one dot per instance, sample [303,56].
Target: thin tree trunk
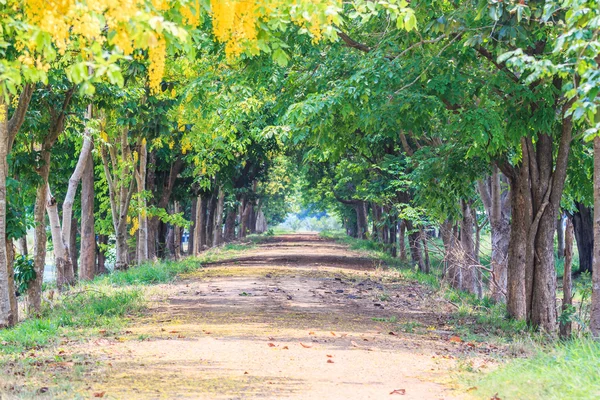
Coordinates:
[427,264]
[218,221]
[102,243]
[560,237]
[565,328]
[595,307]
[7,318]
[230,225]
[34,292]
[73,251]
[62,258]
[8,132]
[470,267]
[10,262]
[199,230]
[23,245]
[140,177]
[402,241]
[87,268]
[192,228]
[176,233]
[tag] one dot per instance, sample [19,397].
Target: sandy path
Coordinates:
[295,318]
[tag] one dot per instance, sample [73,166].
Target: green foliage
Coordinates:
[24,272]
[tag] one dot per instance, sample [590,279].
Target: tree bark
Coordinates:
[230,226]
[140,177]
[73,250]
[121,184]
[87,268]
[560,237]
[414,243]
[199,231]
[567,302]
[192,228]
[401,241]
[497,207]
[218,221]
[7,318]
[62,258]
[595,306]
[470,271]
[177,233]
[426,261]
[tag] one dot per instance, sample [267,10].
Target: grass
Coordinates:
[104,304]
[568,371]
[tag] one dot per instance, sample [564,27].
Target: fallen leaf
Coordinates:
[399,391]
[102,331]
[207,332]
[329,355]
[180,336]
[392,333]
[329,361]
[455,339]
[173,331]
[306,346]
[271,345]
[333,333]
[495,397]
[99,394]
[472,388]
[271,338]
[246,373]
[365,339]
[344,335]
[311,333]
[285,348]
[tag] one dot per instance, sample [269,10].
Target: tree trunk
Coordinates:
[140,177]
[497,207]
[73,250]
[87,269]
[34,292]
[199,230]
[8,132]
[192,228]
[176,233]
[122,252]
[102,242]
[565,328]
[402,240]
[560,237]
[583,225]
[245,218]
[361,219]
[595,307]
[218,221]
[152,223]
[23,245]
[414,243]
[62,259]
[537,185]
[449,235]
[470,270]
[7,318]
[230,225]
[210,219]
[426,263]
[10,262]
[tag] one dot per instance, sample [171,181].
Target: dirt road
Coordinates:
[296,318]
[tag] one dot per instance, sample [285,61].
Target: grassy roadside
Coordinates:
[101,306]
[532,366]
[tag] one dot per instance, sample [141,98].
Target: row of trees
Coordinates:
[410,116]
[156,110]
[488,108]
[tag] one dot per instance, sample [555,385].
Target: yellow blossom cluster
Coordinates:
[157,54]
[236,22]
[135,225]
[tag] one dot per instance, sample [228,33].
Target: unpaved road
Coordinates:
[297,317]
